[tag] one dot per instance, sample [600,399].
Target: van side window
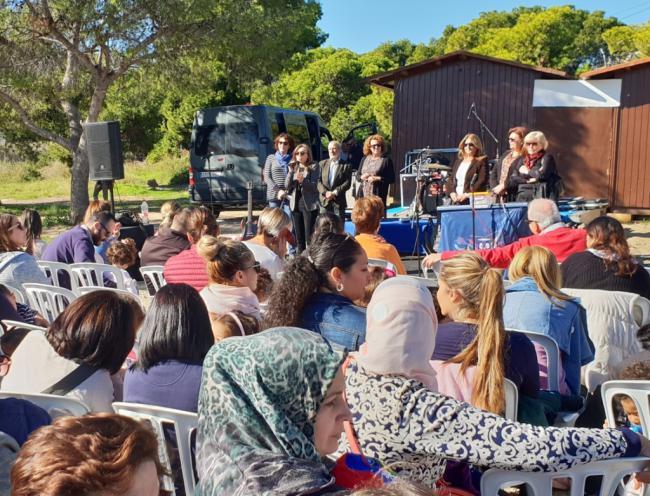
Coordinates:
[276,124]
[314,139]
[297,127]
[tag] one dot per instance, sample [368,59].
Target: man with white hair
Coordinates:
[548,230]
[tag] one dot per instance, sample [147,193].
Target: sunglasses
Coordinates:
[375,146]
[513,139]
[283,142]
[529,222]
[301,153]
[256,267]
[469,145]
[531,144]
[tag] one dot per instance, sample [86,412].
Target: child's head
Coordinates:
[5,291]
[122,254]
[264,285]
[630,409]
[643,335]
[639,371]
[377,276]
[233,324]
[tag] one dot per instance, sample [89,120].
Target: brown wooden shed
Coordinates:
[629,155]
[433,98]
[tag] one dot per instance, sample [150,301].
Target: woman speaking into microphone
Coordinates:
[469,173]
[301,185]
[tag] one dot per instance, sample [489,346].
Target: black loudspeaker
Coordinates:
[104,147]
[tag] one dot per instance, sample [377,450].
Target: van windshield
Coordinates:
[233,132]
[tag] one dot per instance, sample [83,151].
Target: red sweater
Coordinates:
[562,241]
[187,267]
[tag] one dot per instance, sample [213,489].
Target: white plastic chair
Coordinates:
[56,406]
[20,296]
[89,289]
[47,300]
[512,399]
[153,276]
[51,270]
[185,423]
[639,391]
[14,324]
[612,472]
[92,274]
[376,262]
[563,419]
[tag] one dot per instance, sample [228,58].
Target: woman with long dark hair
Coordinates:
[302,190]
[173,341]
[607,263]
[317,291]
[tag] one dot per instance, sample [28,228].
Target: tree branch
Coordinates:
[58,36]
[126,63]
[31,125]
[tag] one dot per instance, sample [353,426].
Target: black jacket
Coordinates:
[545,171]
[495,175]
[342,182]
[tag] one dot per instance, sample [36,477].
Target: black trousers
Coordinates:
[303,225]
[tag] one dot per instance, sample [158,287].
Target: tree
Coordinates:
[65,55]
[628,42]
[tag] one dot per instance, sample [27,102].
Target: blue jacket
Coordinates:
[335,318]
[527,309]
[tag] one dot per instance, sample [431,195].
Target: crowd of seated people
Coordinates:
[417,377]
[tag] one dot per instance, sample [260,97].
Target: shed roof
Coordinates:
[607,71]
[387,79]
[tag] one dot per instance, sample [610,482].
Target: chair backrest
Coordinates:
[48,300]
[56,406]
[512,399]
[52,269]
[153,276]
[612,319]
[376,262]
[14,324]
[185,423]
[123,292]
[639,391]
[92,274]
[552,356]
[612,472]
[18,293]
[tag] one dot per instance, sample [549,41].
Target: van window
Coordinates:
[314,139]
[276,124]
[296,127]
[235,132]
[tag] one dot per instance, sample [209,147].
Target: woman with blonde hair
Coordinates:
[269,245]
[537,177]
[168,210]
[376,172]
[232,274]
[535,303]
[301,186]
[471,294]
[469,172]
[404,422]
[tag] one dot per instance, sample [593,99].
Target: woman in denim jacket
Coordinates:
[535,303]
[317,290]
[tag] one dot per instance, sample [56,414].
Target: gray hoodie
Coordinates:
[18,267]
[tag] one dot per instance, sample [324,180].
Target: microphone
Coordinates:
[469,115]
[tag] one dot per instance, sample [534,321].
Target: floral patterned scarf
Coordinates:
[258,402]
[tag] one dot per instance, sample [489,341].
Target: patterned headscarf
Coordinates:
[257,408]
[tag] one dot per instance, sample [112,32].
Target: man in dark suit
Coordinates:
[334,180]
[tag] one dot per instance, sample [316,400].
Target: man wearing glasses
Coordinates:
[77,245]
[548,230]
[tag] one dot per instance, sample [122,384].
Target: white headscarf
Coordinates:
[401,331]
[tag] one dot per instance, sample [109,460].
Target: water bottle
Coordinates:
[144,211]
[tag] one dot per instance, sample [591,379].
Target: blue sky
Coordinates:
[361,25]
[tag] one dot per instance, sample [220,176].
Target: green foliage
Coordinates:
[627,42]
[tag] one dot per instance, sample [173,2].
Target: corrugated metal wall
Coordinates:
[431,108]
[632,180]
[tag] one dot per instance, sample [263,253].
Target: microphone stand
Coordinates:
[472,112]
[416,211]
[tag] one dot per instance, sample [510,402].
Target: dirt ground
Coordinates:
[638,236]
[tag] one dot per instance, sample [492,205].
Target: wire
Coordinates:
[628,8]
[636,13]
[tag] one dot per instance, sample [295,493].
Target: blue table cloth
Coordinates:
[401,233]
